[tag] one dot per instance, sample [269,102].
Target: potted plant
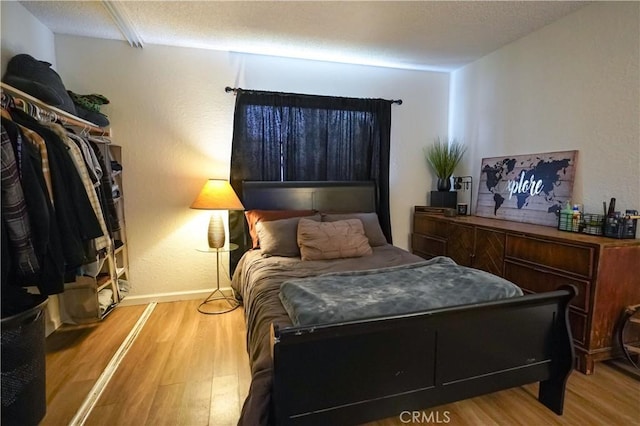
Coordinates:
[444,156]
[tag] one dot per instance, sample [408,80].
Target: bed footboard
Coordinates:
[359,371]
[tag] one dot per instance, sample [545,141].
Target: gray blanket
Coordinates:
[344,296]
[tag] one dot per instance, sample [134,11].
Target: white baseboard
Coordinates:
[143,299]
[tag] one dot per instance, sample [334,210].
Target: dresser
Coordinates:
[606,271]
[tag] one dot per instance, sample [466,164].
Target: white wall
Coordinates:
[23,33]
[174,120]
[571,85]
[574,84]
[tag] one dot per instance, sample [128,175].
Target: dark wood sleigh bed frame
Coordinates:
[360,371]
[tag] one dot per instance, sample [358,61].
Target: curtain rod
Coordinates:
[236,89]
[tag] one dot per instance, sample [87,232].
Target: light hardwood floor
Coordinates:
[186,368]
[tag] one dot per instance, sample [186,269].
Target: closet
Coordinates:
[98,284]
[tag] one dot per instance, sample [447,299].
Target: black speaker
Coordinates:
[444,199]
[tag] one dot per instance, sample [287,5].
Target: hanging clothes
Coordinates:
[65,204]
[102,242]
[93,165]
[38,142]
[46,238]
[106,182]
[14,211]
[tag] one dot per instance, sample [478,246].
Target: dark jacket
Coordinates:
[46,236]
[75,217]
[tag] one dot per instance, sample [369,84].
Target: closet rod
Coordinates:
[64,116]
[236,89]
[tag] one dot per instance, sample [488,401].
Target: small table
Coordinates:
[217,294]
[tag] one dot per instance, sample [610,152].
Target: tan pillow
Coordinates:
[332,240]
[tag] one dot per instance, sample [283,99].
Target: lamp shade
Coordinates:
[217,194]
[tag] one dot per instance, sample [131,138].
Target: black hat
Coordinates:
[39,80]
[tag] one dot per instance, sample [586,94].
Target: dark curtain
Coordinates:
[292,137]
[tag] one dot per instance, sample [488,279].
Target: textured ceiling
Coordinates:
[415,35]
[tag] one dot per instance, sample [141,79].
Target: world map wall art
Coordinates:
[526,188]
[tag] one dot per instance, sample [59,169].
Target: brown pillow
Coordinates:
[279,237]
[332,240]
[370,221]
[254,216]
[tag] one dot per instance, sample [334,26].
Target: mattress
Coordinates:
[257,282]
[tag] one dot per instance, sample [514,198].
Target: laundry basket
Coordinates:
[23,367]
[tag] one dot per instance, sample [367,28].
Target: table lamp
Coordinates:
[216,195]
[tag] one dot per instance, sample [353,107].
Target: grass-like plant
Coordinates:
[444,156]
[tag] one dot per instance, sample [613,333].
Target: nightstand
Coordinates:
[217,294]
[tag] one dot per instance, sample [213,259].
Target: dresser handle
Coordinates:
[544,271]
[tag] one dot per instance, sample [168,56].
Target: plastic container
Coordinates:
[24,399]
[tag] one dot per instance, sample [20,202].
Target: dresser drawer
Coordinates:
[539,281]
[423,224]
[562,257]
[578,325]
[428,247]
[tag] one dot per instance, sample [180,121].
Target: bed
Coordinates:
[361,369]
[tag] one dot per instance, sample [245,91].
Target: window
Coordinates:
[293,137]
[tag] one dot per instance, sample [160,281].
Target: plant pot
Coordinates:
[444,184]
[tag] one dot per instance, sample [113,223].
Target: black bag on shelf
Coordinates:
[39,80]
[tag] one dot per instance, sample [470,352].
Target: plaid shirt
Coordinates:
[14,211]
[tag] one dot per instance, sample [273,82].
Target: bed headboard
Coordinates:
[327,196]
[330,196]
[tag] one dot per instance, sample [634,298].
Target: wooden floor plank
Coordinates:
[165,410]
[607,397]
[202,350]
[188,369]
[196,404]
[224,400]
[134,384]
[179,362]
[105,415]
[76,355]
[63,405]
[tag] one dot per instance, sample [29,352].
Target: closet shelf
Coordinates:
[108,310]
[64,116]
[103,286]
[120,272]
[101,281]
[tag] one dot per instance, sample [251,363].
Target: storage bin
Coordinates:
[620,227]
[586,223]
[24,401]
[593,223]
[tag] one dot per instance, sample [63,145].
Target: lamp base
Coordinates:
[217,295]
[215,234]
